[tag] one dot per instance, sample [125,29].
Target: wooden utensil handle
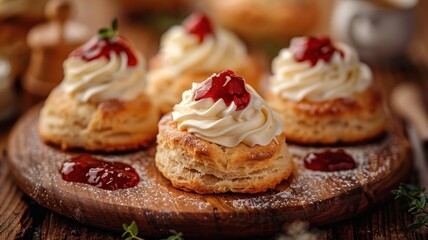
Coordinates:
[406,100]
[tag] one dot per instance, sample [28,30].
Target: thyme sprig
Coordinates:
[416,202]
[131,233]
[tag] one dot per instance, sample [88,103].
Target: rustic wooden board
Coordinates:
[14,215]
[157,207]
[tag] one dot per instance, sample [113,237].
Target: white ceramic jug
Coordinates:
[378,33]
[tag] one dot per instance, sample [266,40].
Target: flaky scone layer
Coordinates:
[111,125]
[340,120]
[168,91]
[193,164]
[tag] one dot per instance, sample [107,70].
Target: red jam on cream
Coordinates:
[198,46]
[104,68]
[199,25]
[318,70]
[313,49]
[227,86]
[102,48]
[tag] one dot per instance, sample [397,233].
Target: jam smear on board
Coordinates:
[99,173]
[329,161]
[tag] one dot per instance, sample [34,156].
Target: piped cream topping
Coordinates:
[339,78]
[181,51]
[103,79]
[221,124]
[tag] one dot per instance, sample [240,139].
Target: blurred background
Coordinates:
[37,35]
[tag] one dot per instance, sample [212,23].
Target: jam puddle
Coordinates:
[99,173]
[329,161]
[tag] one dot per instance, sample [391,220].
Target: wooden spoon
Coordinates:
[407,101]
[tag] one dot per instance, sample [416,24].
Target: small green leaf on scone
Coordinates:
[114,25]
[109,33]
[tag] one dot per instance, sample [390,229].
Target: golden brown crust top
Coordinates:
[341,120]
[366,101]
[111,125]
[206,151]
[251,72]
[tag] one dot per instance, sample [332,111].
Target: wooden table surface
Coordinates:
[22,218]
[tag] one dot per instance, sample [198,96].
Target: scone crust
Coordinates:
[193,164]
[344,120]
[250,19]
[168,91]
[111,125]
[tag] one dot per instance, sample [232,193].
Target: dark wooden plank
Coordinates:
[14,215]
[59,227]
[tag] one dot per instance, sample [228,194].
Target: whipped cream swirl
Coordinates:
[221,124]
[339,78]
[181,51]
[103,79]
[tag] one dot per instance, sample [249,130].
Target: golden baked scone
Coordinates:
[110,125]
[329,122]
[222,137]
[100,104]
[191,53]
[193,164]
[276,21]
[325,97]
[132,7]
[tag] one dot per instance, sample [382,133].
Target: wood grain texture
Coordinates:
[57,227]
[14,215]
[157,207]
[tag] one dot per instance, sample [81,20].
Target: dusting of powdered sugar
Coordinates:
[155,199]
[373,162]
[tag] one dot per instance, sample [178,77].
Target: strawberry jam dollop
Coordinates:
[225,85]
[329,161]
[313,49]
[199,25]
[104,44]
[101,48]
[97,172]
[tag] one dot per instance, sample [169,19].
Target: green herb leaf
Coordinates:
[133,228]
[109,33]
[416,225]
[132,231]
[114,25]
[416,203]
[175,235]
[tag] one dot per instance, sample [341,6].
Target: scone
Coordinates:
[275,20]
[191,53]
[222,137]
[100,104]
[132,7]
[324,93]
